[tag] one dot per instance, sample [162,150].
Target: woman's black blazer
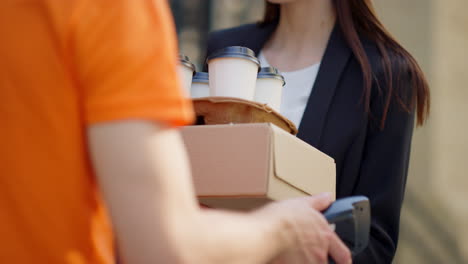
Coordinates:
[369,160]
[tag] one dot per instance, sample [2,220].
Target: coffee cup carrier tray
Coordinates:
[230,110]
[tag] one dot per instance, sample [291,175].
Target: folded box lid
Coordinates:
[301,165]
[233,160]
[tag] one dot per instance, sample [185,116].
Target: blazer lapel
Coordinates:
[333,63]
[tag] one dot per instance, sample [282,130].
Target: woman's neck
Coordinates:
[302,34]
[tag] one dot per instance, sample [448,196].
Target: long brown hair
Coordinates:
[358,18]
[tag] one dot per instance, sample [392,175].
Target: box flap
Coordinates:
[302,165]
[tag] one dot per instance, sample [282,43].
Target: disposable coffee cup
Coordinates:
[200,85]
[233,72]
[269,88]
[186,71]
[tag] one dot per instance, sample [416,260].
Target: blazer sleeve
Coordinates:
[215,41]
[383,174]
[208,51]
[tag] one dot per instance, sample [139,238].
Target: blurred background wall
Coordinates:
[434,227]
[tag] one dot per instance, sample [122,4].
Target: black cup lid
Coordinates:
[270,72]
[183,59]
[201,77]
[235,52]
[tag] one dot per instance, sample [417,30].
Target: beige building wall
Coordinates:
[434,221]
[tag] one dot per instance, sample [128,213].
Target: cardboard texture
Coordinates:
[244,166]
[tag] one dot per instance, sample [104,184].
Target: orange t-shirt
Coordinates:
[65,65]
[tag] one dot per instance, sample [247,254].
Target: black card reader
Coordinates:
[351,218]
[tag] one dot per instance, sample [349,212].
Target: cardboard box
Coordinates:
[244,166]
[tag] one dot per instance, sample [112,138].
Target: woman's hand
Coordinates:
[309,236]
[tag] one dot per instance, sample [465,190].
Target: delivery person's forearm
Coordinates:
[145,179]
[207,238]
[241,238]
[146,183]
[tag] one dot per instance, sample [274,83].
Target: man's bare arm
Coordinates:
[143,172]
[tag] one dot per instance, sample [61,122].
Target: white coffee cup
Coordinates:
[186,70]
[233,72]
[269,88]
[200,85]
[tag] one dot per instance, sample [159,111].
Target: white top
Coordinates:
[297,90]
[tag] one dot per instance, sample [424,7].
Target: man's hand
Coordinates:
[311,240]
